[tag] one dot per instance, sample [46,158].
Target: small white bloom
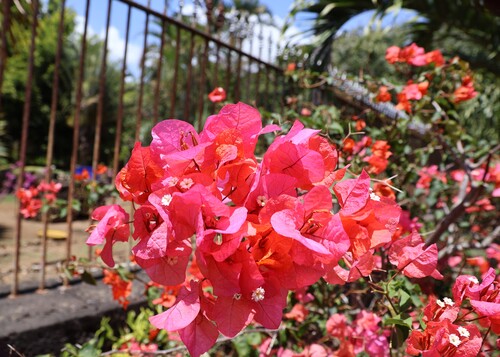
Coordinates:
[474,280]
[261,200]
[440,303]
[258,294]
[448,301]
[173,181]
[186,183]
[374,197]
[463,332]
[165,200]
[454,340]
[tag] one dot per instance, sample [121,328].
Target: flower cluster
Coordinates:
[31,199]
[261,227]
[447,332]
[363,335]
[414,55]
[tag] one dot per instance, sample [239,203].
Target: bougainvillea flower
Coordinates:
[383,94]
[435,57]
[464,93]
[413,258]
[353,193]
[413,54]
[243,119]
[175,147]
[135,179]
[445,339]
[121,289]
[217,95]
[298,313]
[392,54]
[113,227]
[438,310]
[165,262]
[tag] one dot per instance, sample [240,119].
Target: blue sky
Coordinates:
[97,22]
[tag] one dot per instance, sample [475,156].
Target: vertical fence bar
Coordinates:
[249,68]
[119,119]
[158,74]
[189,79]
[228,70]
[3,50]
[176,72]
[138,121]
[24,142]
[76,138]
[100,103]
[100,109]
[257,84]
[201,96]
[50,139]
[216,72]
[238,73]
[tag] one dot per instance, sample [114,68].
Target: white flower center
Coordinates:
[463,332]
[237,296]
[448,301]
[454,340]
[165,200]
[374,196]
[186,183]
[261,200]
[440,303]
[258,294]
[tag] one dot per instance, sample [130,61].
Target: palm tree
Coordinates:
[473,22]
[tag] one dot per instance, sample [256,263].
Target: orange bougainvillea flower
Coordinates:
[121,288]
[465,91]
[306,112]
[435,57]
[101,169]
[217,95]
[291,67]
[360,125]
[383,95]
[383,190]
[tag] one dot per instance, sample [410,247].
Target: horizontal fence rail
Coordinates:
[103,103]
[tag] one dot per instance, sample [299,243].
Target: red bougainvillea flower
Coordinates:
[413,258]
[291,67]
[217,95]
[444,338]
[113,227]
[305,112]
[435,57]
[413,55]
[30,204]
[378,159]
[134,181]
[121,288]
[392,54]
[428,174]
[298,313]
[484,297]
[465,91]
[383,94]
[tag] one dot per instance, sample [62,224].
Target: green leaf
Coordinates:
[88,278]
[404,300]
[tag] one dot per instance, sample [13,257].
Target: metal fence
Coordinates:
[180,63]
